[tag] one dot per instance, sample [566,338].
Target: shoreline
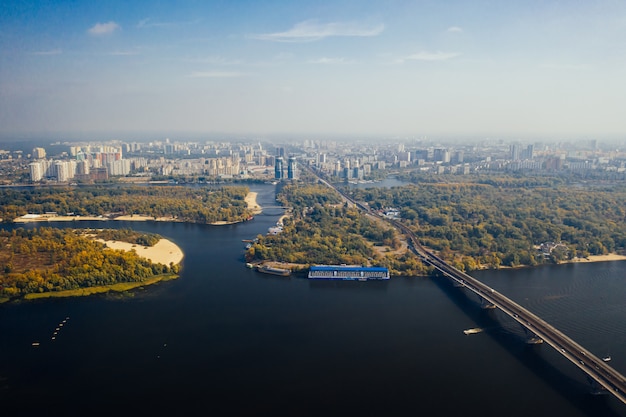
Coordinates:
[250,200]
[163,252]
[611,257]
[252,204]
[597,258]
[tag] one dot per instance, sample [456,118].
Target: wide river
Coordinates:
[225,340]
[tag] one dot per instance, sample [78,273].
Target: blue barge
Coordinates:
[348,272]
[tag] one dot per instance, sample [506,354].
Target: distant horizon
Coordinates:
[340,68]
[146,137]
[182,136]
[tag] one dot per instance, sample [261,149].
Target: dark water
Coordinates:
[224,340]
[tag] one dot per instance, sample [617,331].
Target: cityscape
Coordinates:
[329,208]
[343,160]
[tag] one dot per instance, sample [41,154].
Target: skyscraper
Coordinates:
[291,168]
[278,168]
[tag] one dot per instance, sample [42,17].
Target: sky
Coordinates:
[394,68]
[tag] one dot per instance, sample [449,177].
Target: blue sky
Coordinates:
[546,69]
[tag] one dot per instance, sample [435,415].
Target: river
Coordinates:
[225,340]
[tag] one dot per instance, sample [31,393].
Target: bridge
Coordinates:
[604,378]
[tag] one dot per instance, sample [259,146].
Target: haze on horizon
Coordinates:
[347,67]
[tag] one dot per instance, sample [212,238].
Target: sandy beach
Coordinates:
[600,258]
[30,218]
[250,200]
[252,203]
[164,252]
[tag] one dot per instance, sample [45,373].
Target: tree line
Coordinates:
[504,221]
[324,230]
[188,204]
[48,259]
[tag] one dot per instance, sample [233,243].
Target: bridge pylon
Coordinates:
[531,338]
[486,305]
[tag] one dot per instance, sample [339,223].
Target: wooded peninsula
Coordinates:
[49,261]
[473,223]
[173,203]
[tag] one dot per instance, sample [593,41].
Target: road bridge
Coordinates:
[607,379]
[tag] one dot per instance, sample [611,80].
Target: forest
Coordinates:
[51,260]
[324,230]
[181,203]
[494,221]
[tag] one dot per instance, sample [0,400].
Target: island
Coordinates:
[49,262]
[217,206]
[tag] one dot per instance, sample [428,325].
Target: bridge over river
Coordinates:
[604,378]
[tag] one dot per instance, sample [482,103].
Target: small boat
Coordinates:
[606,359]
[35,343]
[473,331]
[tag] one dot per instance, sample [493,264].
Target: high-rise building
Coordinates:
[62,169]
[291,168]
[36,171]
[278,168]
[39,153]
[441,155]
[516,152]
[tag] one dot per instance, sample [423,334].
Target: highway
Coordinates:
[598,370]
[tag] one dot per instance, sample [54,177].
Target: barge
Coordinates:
[348,272]
[274,271]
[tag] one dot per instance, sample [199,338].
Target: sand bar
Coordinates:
[600,258]
[164,252]
[252,203]
[250,200]
[29,218]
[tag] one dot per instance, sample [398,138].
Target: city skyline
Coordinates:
[522,69]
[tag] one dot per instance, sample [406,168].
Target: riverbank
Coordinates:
[250,199]
[39,218]
[252,204]
[599,258]
[121,287]
[164,252]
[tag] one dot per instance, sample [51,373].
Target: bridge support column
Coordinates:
[531,338]
[486,305]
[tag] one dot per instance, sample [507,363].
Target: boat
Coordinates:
[606,358]
[249,265]
[274,271]
[35,343]
[473,331]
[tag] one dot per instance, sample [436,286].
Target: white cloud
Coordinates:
[311,30]
[50,52]
[454,29]
[429,56]
[216,74]
[100,29]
